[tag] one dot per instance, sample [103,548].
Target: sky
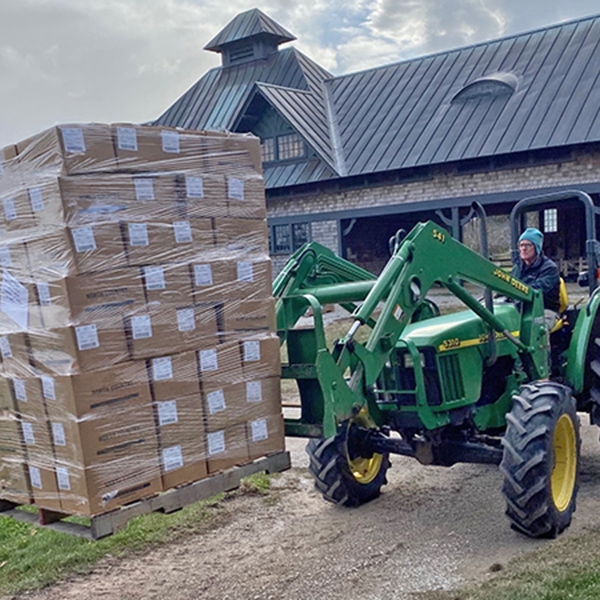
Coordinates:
[66,61]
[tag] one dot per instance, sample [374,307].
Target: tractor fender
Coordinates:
[587,328]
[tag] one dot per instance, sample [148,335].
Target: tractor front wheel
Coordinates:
[343,477]
[541,459]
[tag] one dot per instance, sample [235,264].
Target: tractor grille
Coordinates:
[451,377]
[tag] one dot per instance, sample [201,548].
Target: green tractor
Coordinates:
[490,384]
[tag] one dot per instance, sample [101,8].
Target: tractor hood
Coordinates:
[460,329]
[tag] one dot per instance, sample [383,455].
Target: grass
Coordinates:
[33,557]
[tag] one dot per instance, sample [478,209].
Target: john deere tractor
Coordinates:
[495,383]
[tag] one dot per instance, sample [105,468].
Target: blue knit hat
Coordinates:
[535,236]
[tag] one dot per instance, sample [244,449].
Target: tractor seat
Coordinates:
[555,321]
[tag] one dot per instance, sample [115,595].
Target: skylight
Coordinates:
[490,86]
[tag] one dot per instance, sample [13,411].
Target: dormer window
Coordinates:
[289,146]
[488,87]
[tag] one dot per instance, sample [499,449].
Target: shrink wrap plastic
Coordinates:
[137,326]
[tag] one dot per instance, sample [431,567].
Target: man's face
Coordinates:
[527,252]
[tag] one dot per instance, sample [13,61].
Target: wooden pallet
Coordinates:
[166,502]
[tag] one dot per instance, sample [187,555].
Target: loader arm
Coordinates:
[428,255]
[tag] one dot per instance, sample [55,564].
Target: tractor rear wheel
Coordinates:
[541,459]
[342,476]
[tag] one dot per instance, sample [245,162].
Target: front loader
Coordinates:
[479,386]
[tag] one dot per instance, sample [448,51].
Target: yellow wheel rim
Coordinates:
[364,470]
[564,470]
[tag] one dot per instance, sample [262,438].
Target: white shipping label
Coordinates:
[155,278]
[194,187]
[216,401]
[87,337]
[138,234]
[10,210]
[259,430]
[27,429]
[170,141]
[43,290]
[235,188]
[245,271]
[14,299]
[5,257]
[5,348]
[127,138]
[162,368]
[183,232]
[48,387]
[83,238]
[144,188]
[36,199]
[167,412]
[73,140]
[62,476]
[252,351]
[172,458]
[186,319]
[58,434]
[141,327]
[254,391]
[35,477]
[209,360]
[203,275]
[216,442]
[20,390]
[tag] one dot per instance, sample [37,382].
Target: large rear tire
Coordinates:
[541,459]
[342,476]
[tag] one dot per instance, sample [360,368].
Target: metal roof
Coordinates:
[247,25]
[531,91]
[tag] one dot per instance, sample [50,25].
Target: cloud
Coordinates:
[128,60]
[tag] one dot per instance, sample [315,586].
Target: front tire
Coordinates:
[541,459]
[343,478]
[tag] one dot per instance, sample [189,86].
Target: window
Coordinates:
[290,146]
[300,234]
[267,147]
[285,239]
[551,220]
[283,147]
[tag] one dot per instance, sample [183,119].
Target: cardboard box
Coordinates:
[167,283]
[91,298]
[182,451]
[261,356]
[220,364]
[246,197]
[10,179]
[175,376]
[224,404]
[265,436]
[204,195]
[247,315]
[212,280]
[14,481]
[77,250]
[7,403]
[79,348]
[242,235]
[44,486]
[227,448]
[27,398]
[142,148]
[67,149]
[16,212]
[95,490]
[115,197]
[165,328]
[228,153]
[13,256]
[14,349]
[19,310]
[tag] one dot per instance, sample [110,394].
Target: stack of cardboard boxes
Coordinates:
[136,317]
